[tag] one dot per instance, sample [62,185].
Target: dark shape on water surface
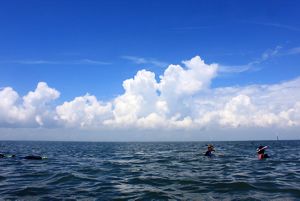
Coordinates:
[31,157]
[7,156]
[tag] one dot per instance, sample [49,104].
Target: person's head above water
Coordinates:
[261,149]
[210,147]
[261,152]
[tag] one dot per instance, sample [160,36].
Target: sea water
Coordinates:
[149,171]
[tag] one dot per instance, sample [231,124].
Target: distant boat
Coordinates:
[277,138]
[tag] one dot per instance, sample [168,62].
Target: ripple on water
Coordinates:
[32,191]
[146,171]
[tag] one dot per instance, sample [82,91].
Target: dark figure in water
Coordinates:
[261,152]
[33,157]
[210,149]
[6,156]
[30,157]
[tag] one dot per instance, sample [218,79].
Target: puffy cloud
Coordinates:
[41,96]
[32,110]
[9,111]
[148,103]
[251,106]
[138,100]
[179,81]
[236,111]
[85,111]
[179,84]
[153,120]
[181,98]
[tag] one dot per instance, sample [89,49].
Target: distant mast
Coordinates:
[277,138]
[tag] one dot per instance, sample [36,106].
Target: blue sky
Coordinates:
[67,32]
[80,47]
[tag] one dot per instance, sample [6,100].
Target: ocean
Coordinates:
[149,171]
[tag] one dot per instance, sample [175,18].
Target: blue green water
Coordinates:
[150,171]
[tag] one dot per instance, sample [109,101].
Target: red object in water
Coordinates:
[260,156]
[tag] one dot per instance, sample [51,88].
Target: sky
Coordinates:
[149,70]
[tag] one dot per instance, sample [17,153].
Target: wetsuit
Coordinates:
[33,157]
[30,157]
[261,153]
[6,156]
[262,156]
[208,153]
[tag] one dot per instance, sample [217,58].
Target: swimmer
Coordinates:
[210,149]
[7,156]
[31,157]
[261,152]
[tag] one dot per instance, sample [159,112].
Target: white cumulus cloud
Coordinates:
[180,98]
[85,111]
[31,110]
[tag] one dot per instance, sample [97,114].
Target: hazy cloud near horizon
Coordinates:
[180,99]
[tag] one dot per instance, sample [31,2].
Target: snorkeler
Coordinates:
[261,152]
[7,156]
[210,149]
[30,157]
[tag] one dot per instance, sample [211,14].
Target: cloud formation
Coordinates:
[181,98]
[252,65]
[141,60]
[84,111]
[34,109]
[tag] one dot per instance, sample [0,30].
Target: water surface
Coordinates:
[149,170]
